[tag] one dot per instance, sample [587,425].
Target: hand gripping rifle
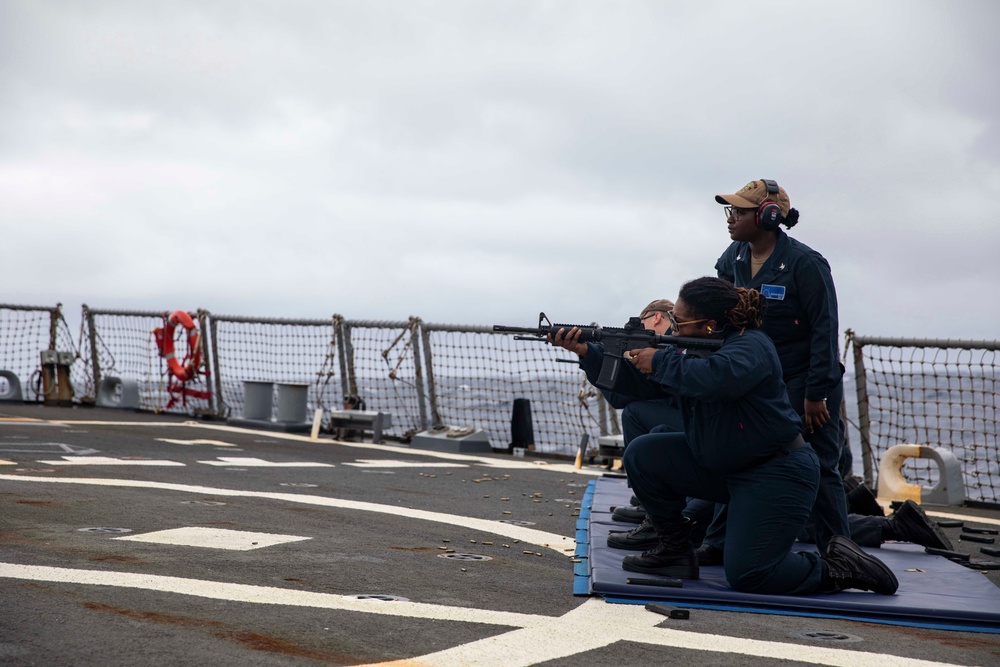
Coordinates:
[616,340]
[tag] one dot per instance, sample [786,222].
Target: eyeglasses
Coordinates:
[676,325]
[733,212]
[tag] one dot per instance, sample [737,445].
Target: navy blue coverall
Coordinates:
[639,417]
[737,425]
[801,319]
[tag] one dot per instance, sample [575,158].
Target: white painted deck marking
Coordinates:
[217,443]
[591,625]
[51,448]
[7,463]
[558,543]
[109,461]
[214,538]
[383,463]
[504,463]
[261,463]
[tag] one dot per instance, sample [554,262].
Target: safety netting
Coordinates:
[25,331]
[294,352]
[478,374]
[931,393]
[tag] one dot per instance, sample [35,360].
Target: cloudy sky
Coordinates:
[479,161]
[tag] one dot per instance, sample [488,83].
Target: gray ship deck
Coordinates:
[141,539]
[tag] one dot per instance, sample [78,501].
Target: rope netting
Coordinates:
[922,392]
[385,367]
[24,332]
[278,351]
[934,393]
[122,345]
[477,374]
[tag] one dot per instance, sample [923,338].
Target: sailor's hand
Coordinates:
[642,358]
[815,415]
[569,340]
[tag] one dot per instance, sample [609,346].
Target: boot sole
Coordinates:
[634,546]
[943,542]
[846,544]
[675,571]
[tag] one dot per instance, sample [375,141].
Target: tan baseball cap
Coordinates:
[659,306]
[755,193]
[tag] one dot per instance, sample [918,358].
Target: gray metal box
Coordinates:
[456,440]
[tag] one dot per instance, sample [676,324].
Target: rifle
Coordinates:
[616,340]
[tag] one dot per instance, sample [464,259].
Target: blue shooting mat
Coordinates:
[933,591]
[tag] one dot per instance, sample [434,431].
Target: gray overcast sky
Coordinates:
[476,162]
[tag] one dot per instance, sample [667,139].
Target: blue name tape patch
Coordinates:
[776,292]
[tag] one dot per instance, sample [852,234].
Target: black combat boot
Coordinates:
[861,500]
[628,514]
[673,555]
[845,565]
[910,524]
[640,538]
[709,555]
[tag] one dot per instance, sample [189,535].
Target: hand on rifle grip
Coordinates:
[642,358]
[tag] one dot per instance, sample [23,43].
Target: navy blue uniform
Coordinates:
[661,414]
[737,420]
[638,416]
[801,319]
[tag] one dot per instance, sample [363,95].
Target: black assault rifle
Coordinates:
[616,340]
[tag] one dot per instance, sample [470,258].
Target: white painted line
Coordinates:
[7,463]
[218,590]
[387,463]
[594,625]
[217,443]
[591,625]
[498,462]
[261,463]
[557,543]
[108,461]
[214,538]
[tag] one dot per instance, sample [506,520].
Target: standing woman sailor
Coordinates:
[802,322]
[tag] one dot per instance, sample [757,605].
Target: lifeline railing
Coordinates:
[424,374]
[922,391]
[929,392]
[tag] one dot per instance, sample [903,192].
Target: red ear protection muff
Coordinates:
[769,213]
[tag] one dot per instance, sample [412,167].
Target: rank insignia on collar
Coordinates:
[782,267]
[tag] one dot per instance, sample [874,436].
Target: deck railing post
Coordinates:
[435,416]
[95,364]
[415,329]
[863,421]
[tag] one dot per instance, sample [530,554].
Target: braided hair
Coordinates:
[719,300]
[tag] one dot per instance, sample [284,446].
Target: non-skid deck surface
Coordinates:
[933,591]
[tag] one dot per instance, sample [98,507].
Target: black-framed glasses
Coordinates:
[676,325]
[734,212]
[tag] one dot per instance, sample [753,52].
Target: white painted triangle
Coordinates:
[217,443]
[261,463]
[108,461]
[214,538]
[383,463]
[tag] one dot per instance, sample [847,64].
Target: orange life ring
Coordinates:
[192,361]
